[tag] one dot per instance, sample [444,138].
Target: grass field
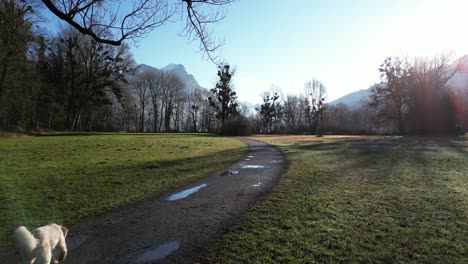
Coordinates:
[358,200]
[67,178]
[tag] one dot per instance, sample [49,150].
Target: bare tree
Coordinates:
[142,91]
[315,93]
[431,108]
[390,98]
[291,112]
[195,101]
[272,109]
[113,21]
[415,96]
[171,88]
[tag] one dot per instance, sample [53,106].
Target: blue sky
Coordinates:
[286,43]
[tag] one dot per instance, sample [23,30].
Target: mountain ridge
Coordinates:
[178,69]
[354,99]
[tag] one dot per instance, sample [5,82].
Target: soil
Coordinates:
[177,226]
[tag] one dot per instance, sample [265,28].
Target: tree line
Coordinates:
[158,101]
[76,82]
[415,97]
[71,81]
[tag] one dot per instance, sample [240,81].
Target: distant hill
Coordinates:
[178,69]
[353,100]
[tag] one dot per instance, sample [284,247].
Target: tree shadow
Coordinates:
[159,134]
[109,188]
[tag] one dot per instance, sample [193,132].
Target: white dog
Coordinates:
[36,246]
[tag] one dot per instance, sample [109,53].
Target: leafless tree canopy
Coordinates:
[113,21]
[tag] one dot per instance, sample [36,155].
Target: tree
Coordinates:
[291,112]
[16,37]
[415,96]
[431,108]
[338,118]
[269,110]
[195,100]
[142,91]
[208,121]
[122,21]
[315,93]
[92,72]
[224,102]
[154,80]
[174,103]
[390,98]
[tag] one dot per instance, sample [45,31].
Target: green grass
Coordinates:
[65,179]
[358,201]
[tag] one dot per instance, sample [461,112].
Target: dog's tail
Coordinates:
[24,240]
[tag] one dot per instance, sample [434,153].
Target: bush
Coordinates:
[237,127]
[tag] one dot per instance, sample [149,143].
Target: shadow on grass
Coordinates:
[460,143]
[65,134]
[92,190]
[387,202]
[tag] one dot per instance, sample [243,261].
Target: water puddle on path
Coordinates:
[257,184]
[159,253]
[229,172]
[250,156]
[185,193]
[255,167]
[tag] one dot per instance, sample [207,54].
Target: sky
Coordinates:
[286,43]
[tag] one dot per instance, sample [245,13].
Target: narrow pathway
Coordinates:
[175,227]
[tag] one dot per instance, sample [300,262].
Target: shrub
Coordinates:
[237,127]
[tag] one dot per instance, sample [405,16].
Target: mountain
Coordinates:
[178,69]
[353,100]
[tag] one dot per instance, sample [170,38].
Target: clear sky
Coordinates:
[288,42]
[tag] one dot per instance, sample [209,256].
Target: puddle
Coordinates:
[250,156]
[159,253]
[185,193]
[247,159]
[257,184]
[255,167]
[234,172]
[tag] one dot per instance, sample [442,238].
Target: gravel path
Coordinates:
[175,227]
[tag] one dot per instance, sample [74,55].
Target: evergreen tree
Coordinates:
[224,102]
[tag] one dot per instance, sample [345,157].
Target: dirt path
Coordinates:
[175,227]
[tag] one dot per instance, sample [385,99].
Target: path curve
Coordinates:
[170,230]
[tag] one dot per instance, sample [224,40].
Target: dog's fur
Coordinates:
[36,246]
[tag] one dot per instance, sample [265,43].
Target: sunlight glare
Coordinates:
[438,27]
